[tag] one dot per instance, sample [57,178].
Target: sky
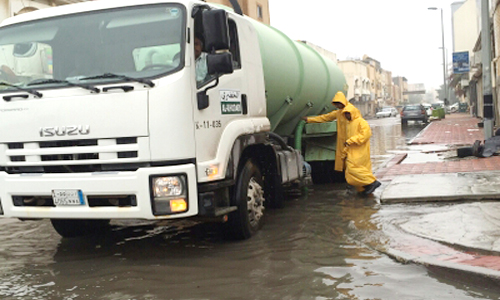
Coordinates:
[403,35]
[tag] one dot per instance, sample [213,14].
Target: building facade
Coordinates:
[356,74]
[402,83]
[256,9]
[10,8]
[466,31]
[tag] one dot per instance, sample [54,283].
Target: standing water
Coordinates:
[326,245]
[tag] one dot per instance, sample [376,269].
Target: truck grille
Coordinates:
[71,155]
[93,201]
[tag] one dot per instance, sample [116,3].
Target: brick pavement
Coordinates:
[429,249]
[455,130]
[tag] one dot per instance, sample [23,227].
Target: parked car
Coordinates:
[414,112]
[454,107]
[387,112]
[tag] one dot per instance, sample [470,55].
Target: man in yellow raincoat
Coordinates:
[340,102]
[356,153]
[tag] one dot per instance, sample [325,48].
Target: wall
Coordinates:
[249,8]
[356,74]
[466,27]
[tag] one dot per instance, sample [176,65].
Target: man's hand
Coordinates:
[343,154]
[304,119]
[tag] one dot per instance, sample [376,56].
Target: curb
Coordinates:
[396,159]
[443,265]
[422,132]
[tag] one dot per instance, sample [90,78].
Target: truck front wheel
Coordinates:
[70,228]
[249,198]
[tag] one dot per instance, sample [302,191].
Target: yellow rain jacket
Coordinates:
[341,126]
[358,164]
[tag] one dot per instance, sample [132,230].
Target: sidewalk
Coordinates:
[464,235]
[456,130]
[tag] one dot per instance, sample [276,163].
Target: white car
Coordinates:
[428,109]
[387,112]
[454,107]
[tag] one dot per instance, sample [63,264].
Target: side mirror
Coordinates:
[24,49]
[216,30]
[221,63]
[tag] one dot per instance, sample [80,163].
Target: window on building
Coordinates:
[260,12]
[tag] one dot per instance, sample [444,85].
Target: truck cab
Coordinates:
[102,117]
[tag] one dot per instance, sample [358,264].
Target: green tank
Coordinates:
[299,81]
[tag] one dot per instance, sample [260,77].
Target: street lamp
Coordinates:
[444,56]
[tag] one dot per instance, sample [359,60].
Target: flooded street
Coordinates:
[326,245]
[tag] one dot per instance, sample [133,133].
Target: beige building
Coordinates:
[356,75]
[10,8]
[402,83]
[466,30]
[398,94]
[256,9]
[387,86]
[322,51]
[370,86]
[375,76]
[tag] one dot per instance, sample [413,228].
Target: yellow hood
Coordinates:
[353,111]
[340,97]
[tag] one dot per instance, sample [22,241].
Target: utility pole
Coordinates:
[444,56]
[488,108]
[444,61]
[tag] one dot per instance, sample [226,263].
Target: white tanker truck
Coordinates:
[108,120]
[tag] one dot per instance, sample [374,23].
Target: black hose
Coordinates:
[236,7]
[280,141]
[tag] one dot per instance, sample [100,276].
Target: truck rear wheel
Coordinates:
[71,228]
[249,198]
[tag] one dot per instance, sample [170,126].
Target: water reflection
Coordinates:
[387,139]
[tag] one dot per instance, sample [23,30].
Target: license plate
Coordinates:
[67,197]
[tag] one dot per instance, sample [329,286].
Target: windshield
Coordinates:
[136,42]
[412,108]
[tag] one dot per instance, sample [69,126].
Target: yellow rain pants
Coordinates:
[357,151]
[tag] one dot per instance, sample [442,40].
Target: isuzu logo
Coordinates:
[64,130]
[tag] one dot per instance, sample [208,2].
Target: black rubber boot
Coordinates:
[371,187]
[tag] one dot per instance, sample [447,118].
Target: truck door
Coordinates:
[225,101]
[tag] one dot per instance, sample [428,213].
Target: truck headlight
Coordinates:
[169,194]
[168,186]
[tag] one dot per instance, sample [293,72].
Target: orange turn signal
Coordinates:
[178,205]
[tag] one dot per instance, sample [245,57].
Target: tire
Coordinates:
[249,198]
[404,122]
[71,228]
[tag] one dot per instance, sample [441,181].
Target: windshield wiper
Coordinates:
[31,91]
[49,81]
[112,75]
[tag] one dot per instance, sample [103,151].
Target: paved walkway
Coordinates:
[461,236]
[456,130]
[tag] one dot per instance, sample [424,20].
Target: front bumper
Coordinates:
[98,185]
